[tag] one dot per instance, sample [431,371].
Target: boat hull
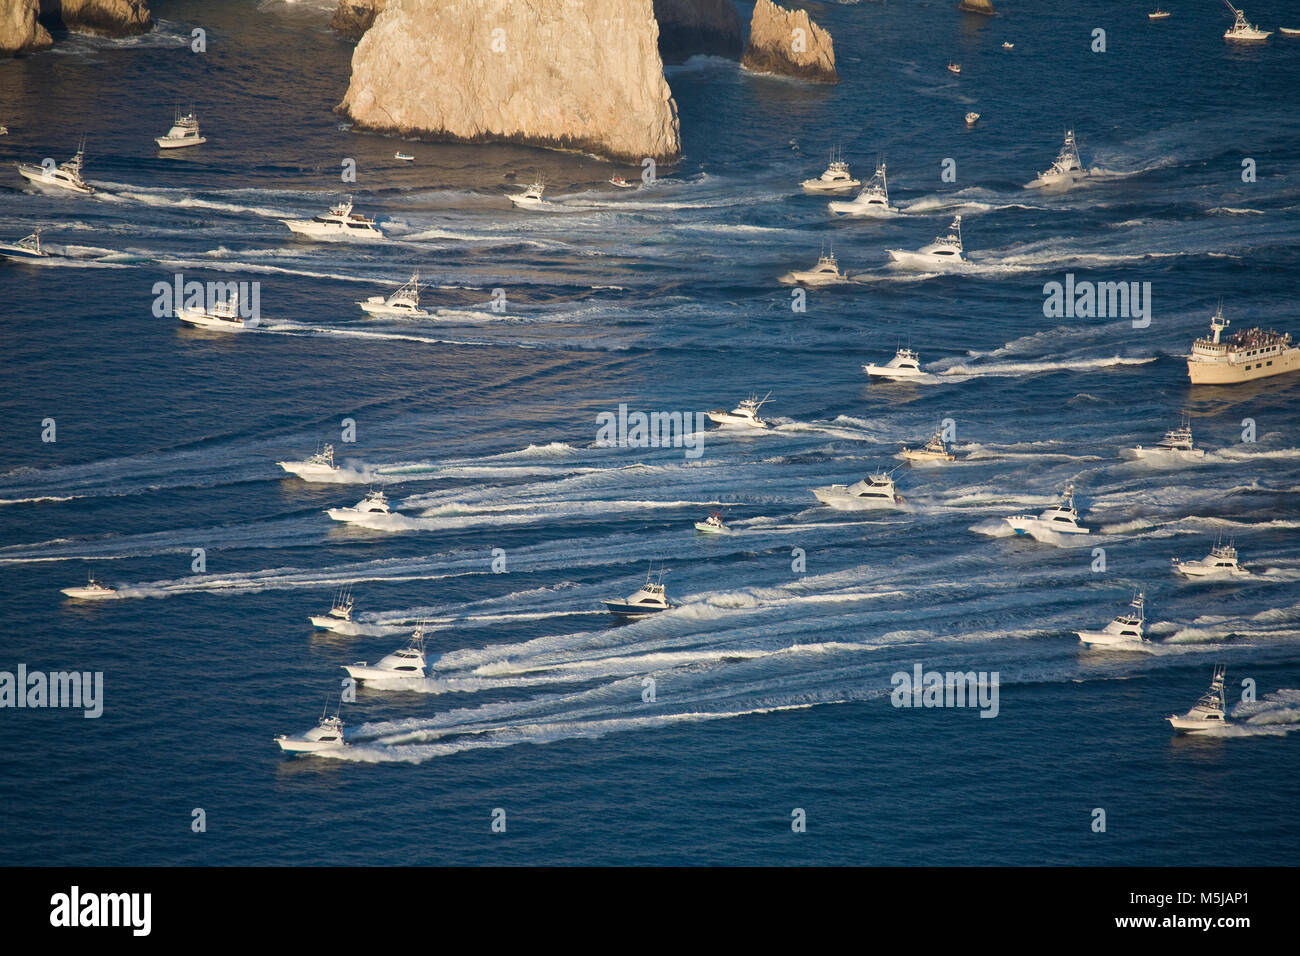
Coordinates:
[705,528]
[1193,570]
[817,278]
[309,472]
[896,374]
[1157,454]
[818,186]
[1024,525]
[326,622]
[862,210]
[1228,373]
[726,418]
[297,745]
[1194,725]
[37,176]
[841,500]
[382,308]
[88,594]
[200,319]
[623,609]
[21,255]
[1102,639]
[315,230]
[911,455]
[178,143]
[381,675]
[923,260]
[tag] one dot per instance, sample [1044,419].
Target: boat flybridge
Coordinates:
[374,503]
[66,175]
[905,365]
[222,314]
[746,413]
[1065,170]
[1125,631]
[326,735]
[1177,443]
[404,664]
[874,491]
[651,599]
[531,197]
[936,449]
[944,251]
[1209,712]
[1221,562]
[873,200]
[713,524]
[1061,518]
[93,590]
[826,272]
[405,301]
[317,467]
[339,617]
[339,223]
[25,249]
[835,179]
[184,132]
[1243,31]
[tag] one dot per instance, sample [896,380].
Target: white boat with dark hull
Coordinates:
[222,315]
[1243,31]
[1208,713]
[318,467]
[836,178]
[746,413]
[339,617]
[339,223]
[25,249]
[651,599]
[1126,630]
[92,590]
[374,503]
[873,200]
[531,197]
[403,665]
[713,524]
[873,491]
[404,302]
[327,735]
[1177,444]
[184,132]
[826,272]
[1245,356]
[936,449]
[904,366]
[1221,562]
[66,175]
[944,252]
[1062,518]
[1066,169]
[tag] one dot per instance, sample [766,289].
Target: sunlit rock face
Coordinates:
[788,43]
[114,18]
[19,31]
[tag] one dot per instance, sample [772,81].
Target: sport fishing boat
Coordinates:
[184,132]
[651,599]
[223,315]
[1244,357]
[873,200]
[1065,170]
[374,503]
[746,413]
[1221,562]
[326,735]
[1125,631]
[531,197]
[713,524]
[339,617]
[25,249]
[944,251]
[873,491]
[1008,45]
[404,157]
[1207,713]
[936,449]
[972,119]
[404,664]
[319,466]
[826,272]
[1158,14]
[339,223]
[835,179]
[905,364]
[1062,518]
[405,301]
[1177,443]
[621,183]
[93,590]
[66,175]
[954,69]
[1242,31]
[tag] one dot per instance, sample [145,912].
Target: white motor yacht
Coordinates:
[1062,518]
[531,197]
[374,503]
[873,200]
[873,491]
[404,664]
[651,599]
[905,365]
[621,183]
[1158,14]
[713,524]
[1207,713]
[339,223]
[826,272]
[936,449]
[326,735]
[404,302]
[1065,170]
[1243,31]
[222,315]
[184,132]
[972,118]
[66,175]
[1125,631]
[1221,562]
[318,466]
[836,178]
[92,590]
[954,69]
[25,249]
[746,413]
[339,617]
[1177,443]
[944,251]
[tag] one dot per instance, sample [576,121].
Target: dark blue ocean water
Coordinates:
[771,685]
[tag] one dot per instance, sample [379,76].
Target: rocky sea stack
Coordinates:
[113,18]
[553,73]
[788,43]
[355,17]
[19,30]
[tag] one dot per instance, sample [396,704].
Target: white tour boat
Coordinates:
[184,132]
[651,599]
[1065,170]
[944,251]
[826,272]
[746,413]
[374,503]
[1177,443]
[318,466]
[1243,31]
[873,491]
[326,735]
[92,590]
[905,365]
[1221,562]
[66,175]
[223,315]
[713,524]
[836,178]
[873,200]
[1209,712]
[531,197]
[1062,518]
[339,223]
[1125,631]
[26,248]
[404,664]
[339,617]
[936,449]
[405,301]
[1245,356]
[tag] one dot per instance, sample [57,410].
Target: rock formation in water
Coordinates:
[114,18]
[355,17]
[546,72]
[977,6]
[690,28]
[787,42]
[19,31]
